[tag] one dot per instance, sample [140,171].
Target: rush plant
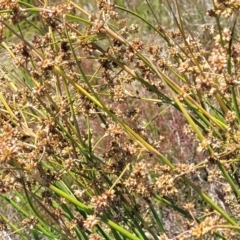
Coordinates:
[119,120]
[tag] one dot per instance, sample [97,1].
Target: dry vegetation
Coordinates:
[119,120]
